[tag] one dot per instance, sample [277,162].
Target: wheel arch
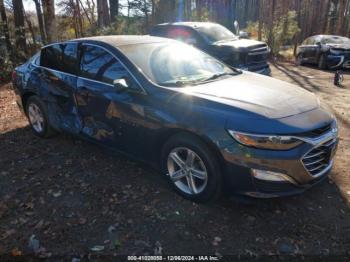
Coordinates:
[167,134]
[25,98]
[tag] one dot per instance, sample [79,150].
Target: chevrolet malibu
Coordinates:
[208,128]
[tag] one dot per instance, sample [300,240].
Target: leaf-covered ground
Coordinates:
[66,197]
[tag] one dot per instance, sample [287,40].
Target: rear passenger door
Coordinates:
[310,49]
[58,79]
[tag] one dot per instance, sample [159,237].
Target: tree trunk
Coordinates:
[270,39]
[199,9]
[103,18]
[18,13]
[153,11]
[80,20]
[341,17]
[261,15]
[297,37]
[50,20]
[114,9]
[145,11]
[5,28]
[39,15]
[166,11]
[30,27]
[86,13]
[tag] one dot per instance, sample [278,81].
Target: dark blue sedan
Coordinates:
[209,127]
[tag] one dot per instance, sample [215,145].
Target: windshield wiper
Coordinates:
[177,83]
[216,76]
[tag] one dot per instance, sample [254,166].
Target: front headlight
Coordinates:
[271,142]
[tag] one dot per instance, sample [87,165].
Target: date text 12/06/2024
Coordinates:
[173,258]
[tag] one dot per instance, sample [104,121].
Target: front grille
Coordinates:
[346,64]
[273,187]
[258,54]
[317,132]
[319,158]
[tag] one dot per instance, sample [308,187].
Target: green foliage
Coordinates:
[283,32]
[6,68]
[123,26]
[202,17]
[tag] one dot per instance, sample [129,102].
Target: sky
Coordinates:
[29,5]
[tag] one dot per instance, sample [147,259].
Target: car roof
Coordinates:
[329,36]
[188,24]
[121,40]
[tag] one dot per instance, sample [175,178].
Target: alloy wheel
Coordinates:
[187,171]
[36,118]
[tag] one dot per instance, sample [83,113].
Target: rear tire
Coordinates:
[38,117]
[322,62]
[299,60]
[198,176]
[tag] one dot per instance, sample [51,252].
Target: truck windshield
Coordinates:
[175,64]
[214,33]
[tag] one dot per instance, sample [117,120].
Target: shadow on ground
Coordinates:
[73,196]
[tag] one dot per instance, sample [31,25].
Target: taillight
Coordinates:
[14,74]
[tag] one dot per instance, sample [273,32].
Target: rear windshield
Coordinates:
[214,33]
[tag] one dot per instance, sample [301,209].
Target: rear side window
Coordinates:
[61,57]
[51,57]
[159,31]
[97,64]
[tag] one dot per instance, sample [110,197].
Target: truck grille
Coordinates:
[258,54]
[319,158]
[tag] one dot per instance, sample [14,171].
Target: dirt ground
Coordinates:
[66,197]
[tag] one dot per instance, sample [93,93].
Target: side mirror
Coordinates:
[318,43]
[120,84]
[236,25]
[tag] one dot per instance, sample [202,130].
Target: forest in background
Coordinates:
[279,23]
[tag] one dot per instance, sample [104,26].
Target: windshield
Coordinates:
[214,33]
[336,40]
[175,64]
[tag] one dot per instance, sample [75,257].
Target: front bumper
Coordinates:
[240,160]
[338,61]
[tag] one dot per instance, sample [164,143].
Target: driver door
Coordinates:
[108,114]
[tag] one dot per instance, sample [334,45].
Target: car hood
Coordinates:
[261,96]
[342,46]
[240,43]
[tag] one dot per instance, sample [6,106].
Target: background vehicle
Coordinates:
[208,127]
[326,51]
[219,42]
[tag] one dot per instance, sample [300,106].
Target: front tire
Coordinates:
[322,64]
[192,168]
[38,117]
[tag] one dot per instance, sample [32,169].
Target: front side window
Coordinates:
[97,64]
[175,64]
